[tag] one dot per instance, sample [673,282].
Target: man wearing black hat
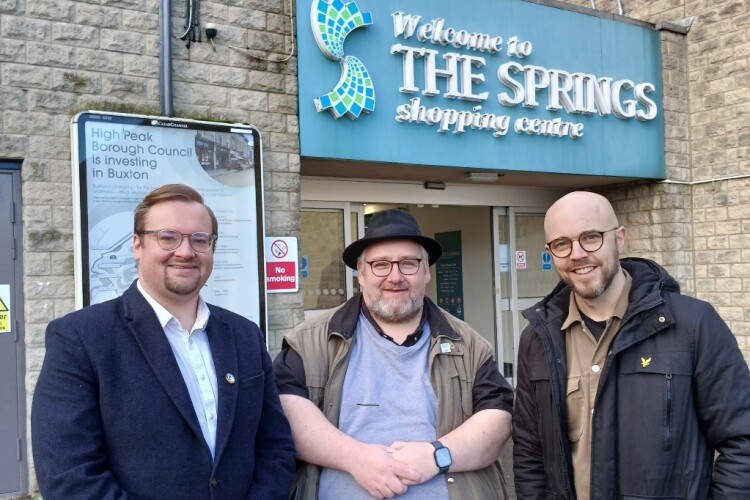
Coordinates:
[389,395]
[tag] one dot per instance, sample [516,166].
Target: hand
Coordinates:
[418,455]
[380,474]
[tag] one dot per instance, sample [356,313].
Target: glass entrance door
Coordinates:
[523,276]
[326,229]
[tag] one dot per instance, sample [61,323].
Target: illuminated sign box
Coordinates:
[118,159]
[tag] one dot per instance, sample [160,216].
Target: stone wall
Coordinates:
[59,57]
[699,228]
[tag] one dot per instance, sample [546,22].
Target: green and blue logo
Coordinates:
[332,21]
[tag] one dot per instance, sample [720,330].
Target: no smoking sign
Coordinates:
[520,259]
[279,248]
[281,264]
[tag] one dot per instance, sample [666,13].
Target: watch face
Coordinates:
[443,457]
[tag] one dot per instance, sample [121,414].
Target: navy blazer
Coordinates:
[112,418]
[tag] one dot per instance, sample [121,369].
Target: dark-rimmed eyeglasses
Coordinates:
[382,268]
[170,239]
[590,241]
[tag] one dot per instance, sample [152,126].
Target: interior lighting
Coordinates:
[483,176]
[434,185]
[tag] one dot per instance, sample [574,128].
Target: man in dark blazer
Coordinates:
[157,394]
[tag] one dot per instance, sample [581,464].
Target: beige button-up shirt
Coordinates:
[586,358]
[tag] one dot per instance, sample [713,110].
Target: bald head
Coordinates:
[577,212]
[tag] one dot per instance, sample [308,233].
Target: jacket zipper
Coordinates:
[668,414]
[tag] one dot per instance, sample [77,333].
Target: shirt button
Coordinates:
[662,319]
[595,368]
[450,480]
[214,483]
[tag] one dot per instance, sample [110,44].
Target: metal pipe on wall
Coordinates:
[166,104]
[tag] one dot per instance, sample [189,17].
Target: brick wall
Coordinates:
[699,229]
[58,57]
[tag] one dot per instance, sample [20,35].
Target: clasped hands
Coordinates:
[387,471]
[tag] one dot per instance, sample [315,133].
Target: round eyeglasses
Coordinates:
[170,239]
[382,268]
[590,241]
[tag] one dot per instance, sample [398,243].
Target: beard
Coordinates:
[182,285]
[395,312]
[593,290]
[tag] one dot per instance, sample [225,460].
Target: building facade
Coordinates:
[60,57]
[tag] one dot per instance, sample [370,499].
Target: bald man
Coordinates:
[626,388]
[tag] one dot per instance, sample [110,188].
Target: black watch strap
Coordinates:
[442,457]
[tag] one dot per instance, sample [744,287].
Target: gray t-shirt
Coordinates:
[387,397]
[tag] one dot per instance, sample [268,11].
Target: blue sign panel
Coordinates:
[546,261]
[492,84]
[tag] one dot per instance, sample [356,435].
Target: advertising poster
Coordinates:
[118,159]
[449,274]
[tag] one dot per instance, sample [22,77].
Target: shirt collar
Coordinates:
[574,315]
[164,316]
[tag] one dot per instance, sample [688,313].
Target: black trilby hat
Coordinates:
[394,224]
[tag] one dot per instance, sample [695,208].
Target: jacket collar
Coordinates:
[650,280]
[344,320]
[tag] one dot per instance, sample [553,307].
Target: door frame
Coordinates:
[513,303]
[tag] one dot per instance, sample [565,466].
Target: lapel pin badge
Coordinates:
[445,347]
[230,378]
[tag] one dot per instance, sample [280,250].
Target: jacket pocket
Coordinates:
[576,408]
[252,380]
[462,387]
[670,374]
[640,497]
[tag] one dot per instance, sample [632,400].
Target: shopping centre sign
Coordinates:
[498,84]
[575,93]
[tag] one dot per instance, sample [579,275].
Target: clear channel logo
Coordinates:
[332,21]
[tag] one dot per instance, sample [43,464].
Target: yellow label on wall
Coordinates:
[4,308]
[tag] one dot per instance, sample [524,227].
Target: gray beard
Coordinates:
[379,309]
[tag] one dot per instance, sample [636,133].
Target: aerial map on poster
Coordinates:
[121,158]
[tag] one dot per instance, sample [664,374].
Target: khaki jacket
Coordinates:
[324,344]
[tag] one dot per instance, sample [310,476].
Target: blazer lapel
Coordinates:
[224,351]
[148,333]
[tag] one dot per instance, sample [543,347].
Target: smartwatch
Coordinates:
[442,457]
